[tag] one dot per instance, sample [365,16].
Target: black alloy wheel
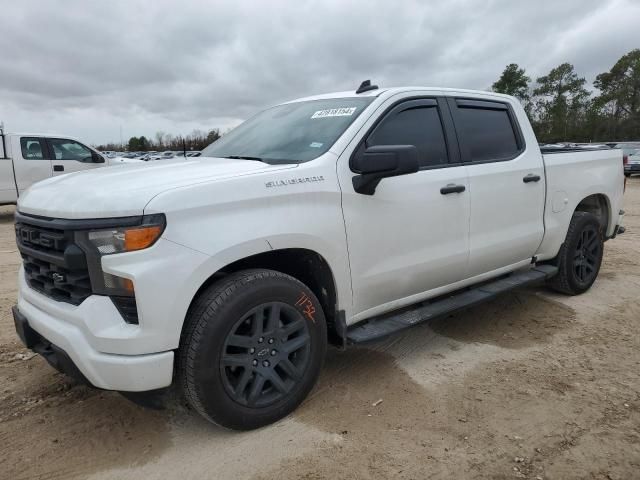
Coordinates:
[587,255]
[580,255]
[265,354]
[252,348]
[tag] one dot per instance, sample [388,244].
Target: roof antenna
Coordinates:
[366,86]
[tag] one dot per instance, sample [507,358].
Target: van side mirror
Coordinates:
[382,161]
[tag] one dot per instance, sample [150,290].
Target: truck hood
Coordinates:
[126,189]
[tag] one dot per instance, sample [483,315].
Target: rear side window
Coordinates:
[487,133]
[32,148]
[414,123]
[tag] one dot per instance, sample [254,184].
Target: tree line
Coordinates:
[561,108]
[196,140]
[559,105]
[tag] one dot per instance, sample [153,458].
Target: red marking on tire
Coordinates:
[308,309]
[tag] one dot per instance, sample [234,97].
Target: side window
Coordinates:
[487,133]
[414,123]
[32,148]
[69,150]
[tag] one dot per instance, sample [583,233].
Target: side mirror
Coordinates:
[376,163]
[97,158]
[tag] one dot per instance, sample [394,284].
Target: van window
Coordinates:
[32,148]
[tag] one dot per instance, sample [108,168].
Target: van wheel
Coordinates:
[252,348]
[580,256]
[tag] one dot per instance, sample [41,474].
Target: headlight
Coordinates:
[118,240]
[137,234]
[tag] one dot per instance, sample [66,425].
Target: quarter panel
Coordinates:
[571,177]
[8,192]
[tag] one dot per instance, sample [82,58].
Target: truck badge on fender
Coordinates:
[294,181]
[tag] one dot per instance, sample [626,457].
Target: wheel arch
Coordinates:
[305,265]
[599,205]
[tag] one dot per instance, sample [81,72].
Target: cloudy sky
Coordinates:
[90,68]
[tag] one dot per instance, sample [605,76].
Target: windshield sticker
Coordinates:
[335,112]
[315,144]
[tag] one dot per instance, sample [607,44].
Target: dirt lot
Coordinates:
[531,385]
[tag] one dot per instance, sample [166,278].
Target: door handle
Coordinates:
[531,178]
[58,168]
[452,188]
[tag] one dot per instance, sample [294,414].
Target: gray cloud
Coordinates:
[86,68]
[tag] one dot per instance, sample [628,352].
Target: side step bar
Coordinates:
[379,327]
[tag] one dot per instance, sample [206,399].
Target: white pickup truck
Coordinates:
[334,219]
[27,158]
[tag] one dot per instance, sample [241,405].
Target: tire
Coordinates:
[627,175]
[580,256]
[252,348]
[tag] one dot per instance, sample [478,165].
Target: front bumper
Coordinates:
[55,356]
[66,348]
[632,168]
[109,352]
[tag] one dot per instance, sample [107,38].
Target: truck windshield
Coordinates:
[290,133]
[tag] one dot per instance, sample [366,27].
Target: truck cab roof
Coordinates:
[39,134]
[395,90]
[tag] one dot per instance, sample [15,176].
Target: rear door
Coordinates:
[507,185]
[71,156]
[30,160]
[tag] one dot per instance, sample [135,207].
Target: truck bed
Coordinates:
[574,174]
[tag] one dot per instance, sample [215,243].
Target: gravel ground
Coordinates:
[531,385]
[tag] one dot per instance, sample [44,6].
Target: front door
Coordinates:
[412,235]
[70,156]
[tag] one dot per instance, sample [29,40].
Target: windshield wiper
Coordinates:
[244,157]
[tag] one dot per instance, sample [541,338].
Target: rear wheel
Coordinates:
[252,348]
[580,256]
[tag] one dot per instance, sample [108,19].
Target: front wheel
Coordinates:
[580,256]
[252,348]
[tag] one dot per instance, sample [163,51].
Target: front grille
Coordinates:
[53,264]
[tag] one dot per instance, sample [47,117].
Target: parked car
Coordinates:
[27,158]
[340,218]
[162,156]
[633,162]
[588,146]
